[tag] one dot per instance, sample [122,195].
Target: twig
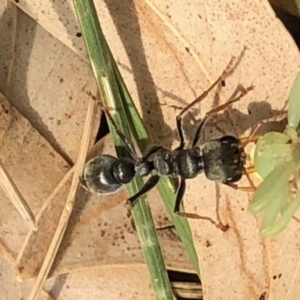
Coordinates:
[16,198]
[63,222]
[35,238]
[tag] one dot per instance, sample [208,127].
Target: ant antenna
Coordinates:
[119,133]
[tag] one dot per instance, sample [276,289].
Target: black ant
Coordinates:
[222,160]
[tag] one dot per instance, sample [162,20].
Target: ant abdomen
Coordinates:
[123,170]
[98,175]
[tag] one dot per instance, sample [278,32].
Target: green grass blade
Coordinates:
[101,62]
[165,185]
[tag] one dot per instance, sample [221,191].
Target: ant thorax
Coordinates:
[223,159]
[143,167]
[186,163]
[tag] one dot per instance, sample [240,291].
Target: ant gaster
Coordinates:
[222,160]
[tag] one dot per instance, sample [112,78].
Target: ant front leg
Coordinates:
[150,151]
[216,110]
[222,107]
[180,133]
[178,201]
[226,105]
[250,188]
[253,137]
[226,71]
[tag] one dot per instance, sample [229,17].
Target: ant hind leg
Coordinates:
[226,71]
[149,185]
[179,197]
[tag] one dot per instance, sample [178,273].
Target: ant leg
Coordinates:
[241,188]
[179,196]
[149,185]
[250,188]
[210,113]
[221,107]
[226,71]
[226,105]
[180,133]
[250,170]
[151,150]
[178,200]
[167,227]
[254,137]
[119,133]
[198,132]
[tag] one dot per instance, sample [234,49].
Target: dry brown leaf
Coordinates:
[12,290]
[169,52]
[106,282]
[36,243]
[32,164]
[14,195]
[44,79]
[69,204]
